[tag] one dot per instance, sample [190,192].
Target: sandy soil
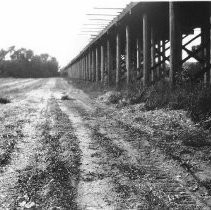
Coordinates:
[78,154]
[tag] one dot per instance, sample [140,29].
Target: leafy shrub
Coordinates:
[193,98]
[200,107]
[110,97]
[157,96]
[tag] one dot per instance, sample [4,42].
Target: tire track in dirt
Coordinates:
[29,116]
[51,182]
[94,189]
[44,165]
[139,179]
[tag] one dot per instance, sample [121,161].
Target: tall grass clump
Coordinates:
[189,95]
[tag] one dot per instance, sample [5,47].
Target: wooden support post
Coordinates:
[75,71]
[137,53]
[138,59]
[96,64]
[108,62]
[89,65]
[76,68]
[76,74]
[82,72]
[159,60]
[175,43]
[209,50]
[152,54]
[71,72]
[128,56]
[79,68]
[93,65]
[206,50]
[164,54]
[73,75]
[146,50]
[85,78]
[84,68]
[118,52]
[102,63]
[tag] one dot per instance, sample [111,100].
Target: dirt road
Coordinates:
[72,154]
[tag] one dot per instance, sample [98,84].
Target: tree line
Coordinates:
[24,63]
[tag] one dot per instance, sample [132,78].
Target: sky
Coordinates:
[50,26]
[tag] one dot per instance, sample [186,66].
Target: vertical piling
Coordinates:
[127,56]
[108,62]
[117,59]
[175,43]
[146,50]
[102,63]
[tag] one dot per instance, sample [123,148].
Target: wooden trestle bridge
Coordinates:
[146,42]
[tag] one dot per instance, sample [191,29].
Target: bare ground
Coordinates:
[82,154]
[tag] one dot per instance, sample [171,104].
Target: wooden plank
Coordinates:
[118,47]
[146,50]
[175,43]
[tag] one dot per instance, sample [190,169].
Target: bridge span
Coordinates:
[146,42]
